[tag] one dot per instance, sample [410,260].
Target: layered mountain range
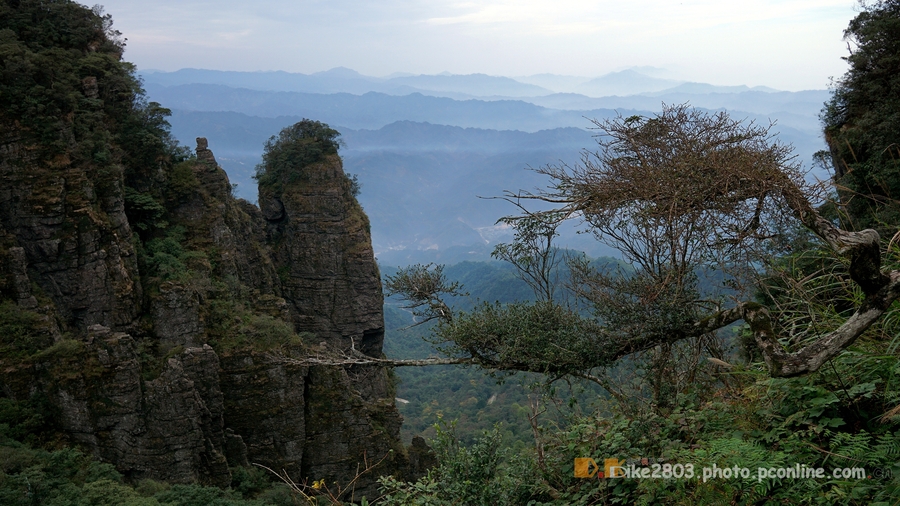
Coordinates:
[432,152]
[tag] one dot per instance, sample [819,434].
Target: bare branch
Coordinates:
[423,287]
[346,361]
[356,357]
[811,357]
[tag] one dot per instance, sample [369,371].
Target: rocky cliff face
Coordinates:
[140,302]
[153,350]
[67,238]
[334,290]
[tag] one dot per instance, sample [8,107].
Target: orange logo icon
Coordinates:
[588,468]
[585,468]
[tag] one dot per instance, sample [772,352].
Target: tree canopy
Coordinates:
[862,119]
[297,146]
[676,193]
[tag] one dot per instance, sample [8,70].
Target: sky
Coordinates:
[785,44]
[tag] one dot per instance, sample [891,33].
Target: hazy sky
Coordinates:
[786,44]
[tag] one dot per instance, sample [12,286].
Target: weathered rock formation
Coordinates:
[159,366]
[140,301]
[334,289]
[71,241]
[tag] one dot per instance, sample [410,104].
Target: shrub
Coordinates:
[294,148]
[167,259]
[20,331]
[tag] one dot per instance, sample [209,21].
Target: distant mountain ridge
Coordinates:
[337,80]
[424,158]
[371,110]
[483,83]
[702,88]
[627,82]
[344,80]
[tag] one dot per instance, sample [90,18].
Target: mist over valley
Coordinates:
[431,150]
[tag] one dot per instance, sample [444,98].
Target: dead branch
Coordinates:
[383,362]
[353,357]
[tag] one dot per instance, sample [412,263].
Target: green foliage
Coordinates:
[480,474]
[532,252]
[182,183]
[294,148]
[21,334]
[355,185]
[633,302]
[74,102]
[249,481]
[759,425]
[62,477]
[62,349]
[144,210]
[24,420]
[422,286]
[471,396]
[148,146]
[47,50]
[63,81]
[148,487]
[195,495]
[476,401]
[861,122]
[66,477]
[486,281]
[540,337]
[167,259]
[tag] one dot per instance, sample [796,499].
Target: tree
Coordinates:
[295,147]
[676,193]
[532,252]
[861,121]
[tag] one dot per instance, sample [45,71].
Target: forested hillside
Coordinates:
[803,410]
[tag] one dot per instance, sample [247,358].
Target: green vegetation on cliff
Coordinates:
[139,299]
[286,156]
[20,336]
[67,477]
[67,97]
[295,147]
[63,80]
[862,123]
